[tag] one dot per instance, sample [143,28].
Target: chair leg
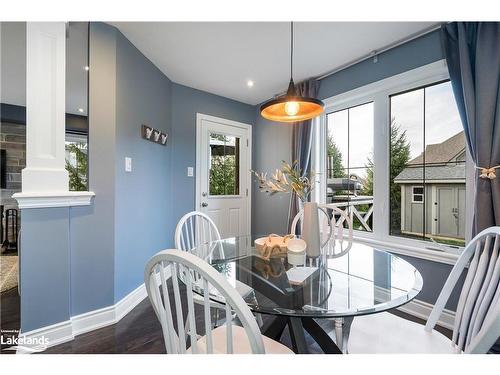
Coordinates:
[338,331]
[258,317]
[342,331]
[186,325]
[216,320]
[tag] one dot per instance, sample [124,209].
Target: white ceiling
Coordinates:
[219,57]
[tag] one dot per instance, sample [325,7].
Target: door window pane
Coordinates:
[427,171]
[224,165]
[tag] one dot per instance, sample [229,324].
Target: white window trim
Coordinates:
[379,93]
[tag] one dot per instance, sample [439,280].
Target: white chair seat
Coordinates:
[243,290]
[388,333]
[240,342]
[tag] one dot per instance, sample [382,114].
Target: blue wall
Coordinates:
[271,145]
[186,102]
[143,223]
[45,259]
[411,55]
[92,227]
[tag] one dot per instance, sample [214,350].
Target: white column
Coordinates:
[45,108]
[45,180]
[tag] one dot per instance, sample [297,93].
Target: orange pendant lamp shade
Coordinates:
[291,107]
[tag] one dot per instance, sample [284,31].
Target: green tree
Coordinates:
[368,182]
[78,170]
[400,155]
[335,168]
[223,167]
[223,175]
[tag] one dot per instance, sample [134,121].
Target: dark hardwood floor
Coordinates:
[10,316]
[139,332]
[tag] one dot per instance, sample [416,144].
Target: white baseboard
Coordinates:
[109,315]
[422,310]
[40,339]
[93,320]
[131,300]
[66,331]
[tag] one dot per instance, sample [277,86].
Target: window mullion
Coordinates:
[381,210]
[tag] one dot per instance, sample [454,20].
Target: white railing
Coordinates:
[351,203]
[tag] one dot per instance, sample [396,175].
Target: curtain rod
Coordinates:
[375,53]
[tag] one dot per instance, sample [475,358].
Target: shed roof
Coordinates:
[451,172]
[443,152]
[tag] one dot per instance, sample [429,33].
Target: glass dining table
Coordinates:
[364,281]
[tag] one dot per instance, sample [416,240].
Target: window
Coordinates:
[224,167]
[427,148]
[350,162]
[418,194]
[408,154]
[76,156]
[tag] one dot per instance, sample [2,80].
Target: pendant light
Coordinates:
[291,107]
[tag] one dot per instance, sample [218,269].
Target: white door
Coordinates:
[223,160]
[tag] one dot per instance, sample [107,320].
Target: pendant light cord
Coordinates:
[291,50]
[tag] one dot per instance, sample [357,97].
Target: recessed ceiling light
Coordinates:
[250,83]
[80,110]
[87,68]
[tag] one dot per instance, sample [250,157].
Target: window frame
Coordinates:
[413,194]
[379,93]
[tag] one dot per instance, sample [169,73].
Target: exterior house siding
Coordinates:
[413,220]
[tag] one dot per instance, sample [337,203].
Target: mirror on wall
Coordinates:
[12,143]
[77,125]
[13,107]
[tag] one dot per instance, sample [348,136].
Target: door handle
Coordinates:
[204,204]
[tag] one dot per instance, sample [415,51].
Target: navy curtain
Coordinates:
[302,142]
[472,52]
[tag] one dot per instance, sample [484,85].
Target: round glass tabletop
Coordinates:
[363,281]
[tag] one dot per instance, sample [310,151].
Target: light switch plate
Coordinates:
[190,171]
[128,164]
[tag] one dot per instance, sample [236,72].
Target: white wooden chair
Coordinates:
[336,239]
[193,271]
[197,230]
[477,319]
[336,242]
